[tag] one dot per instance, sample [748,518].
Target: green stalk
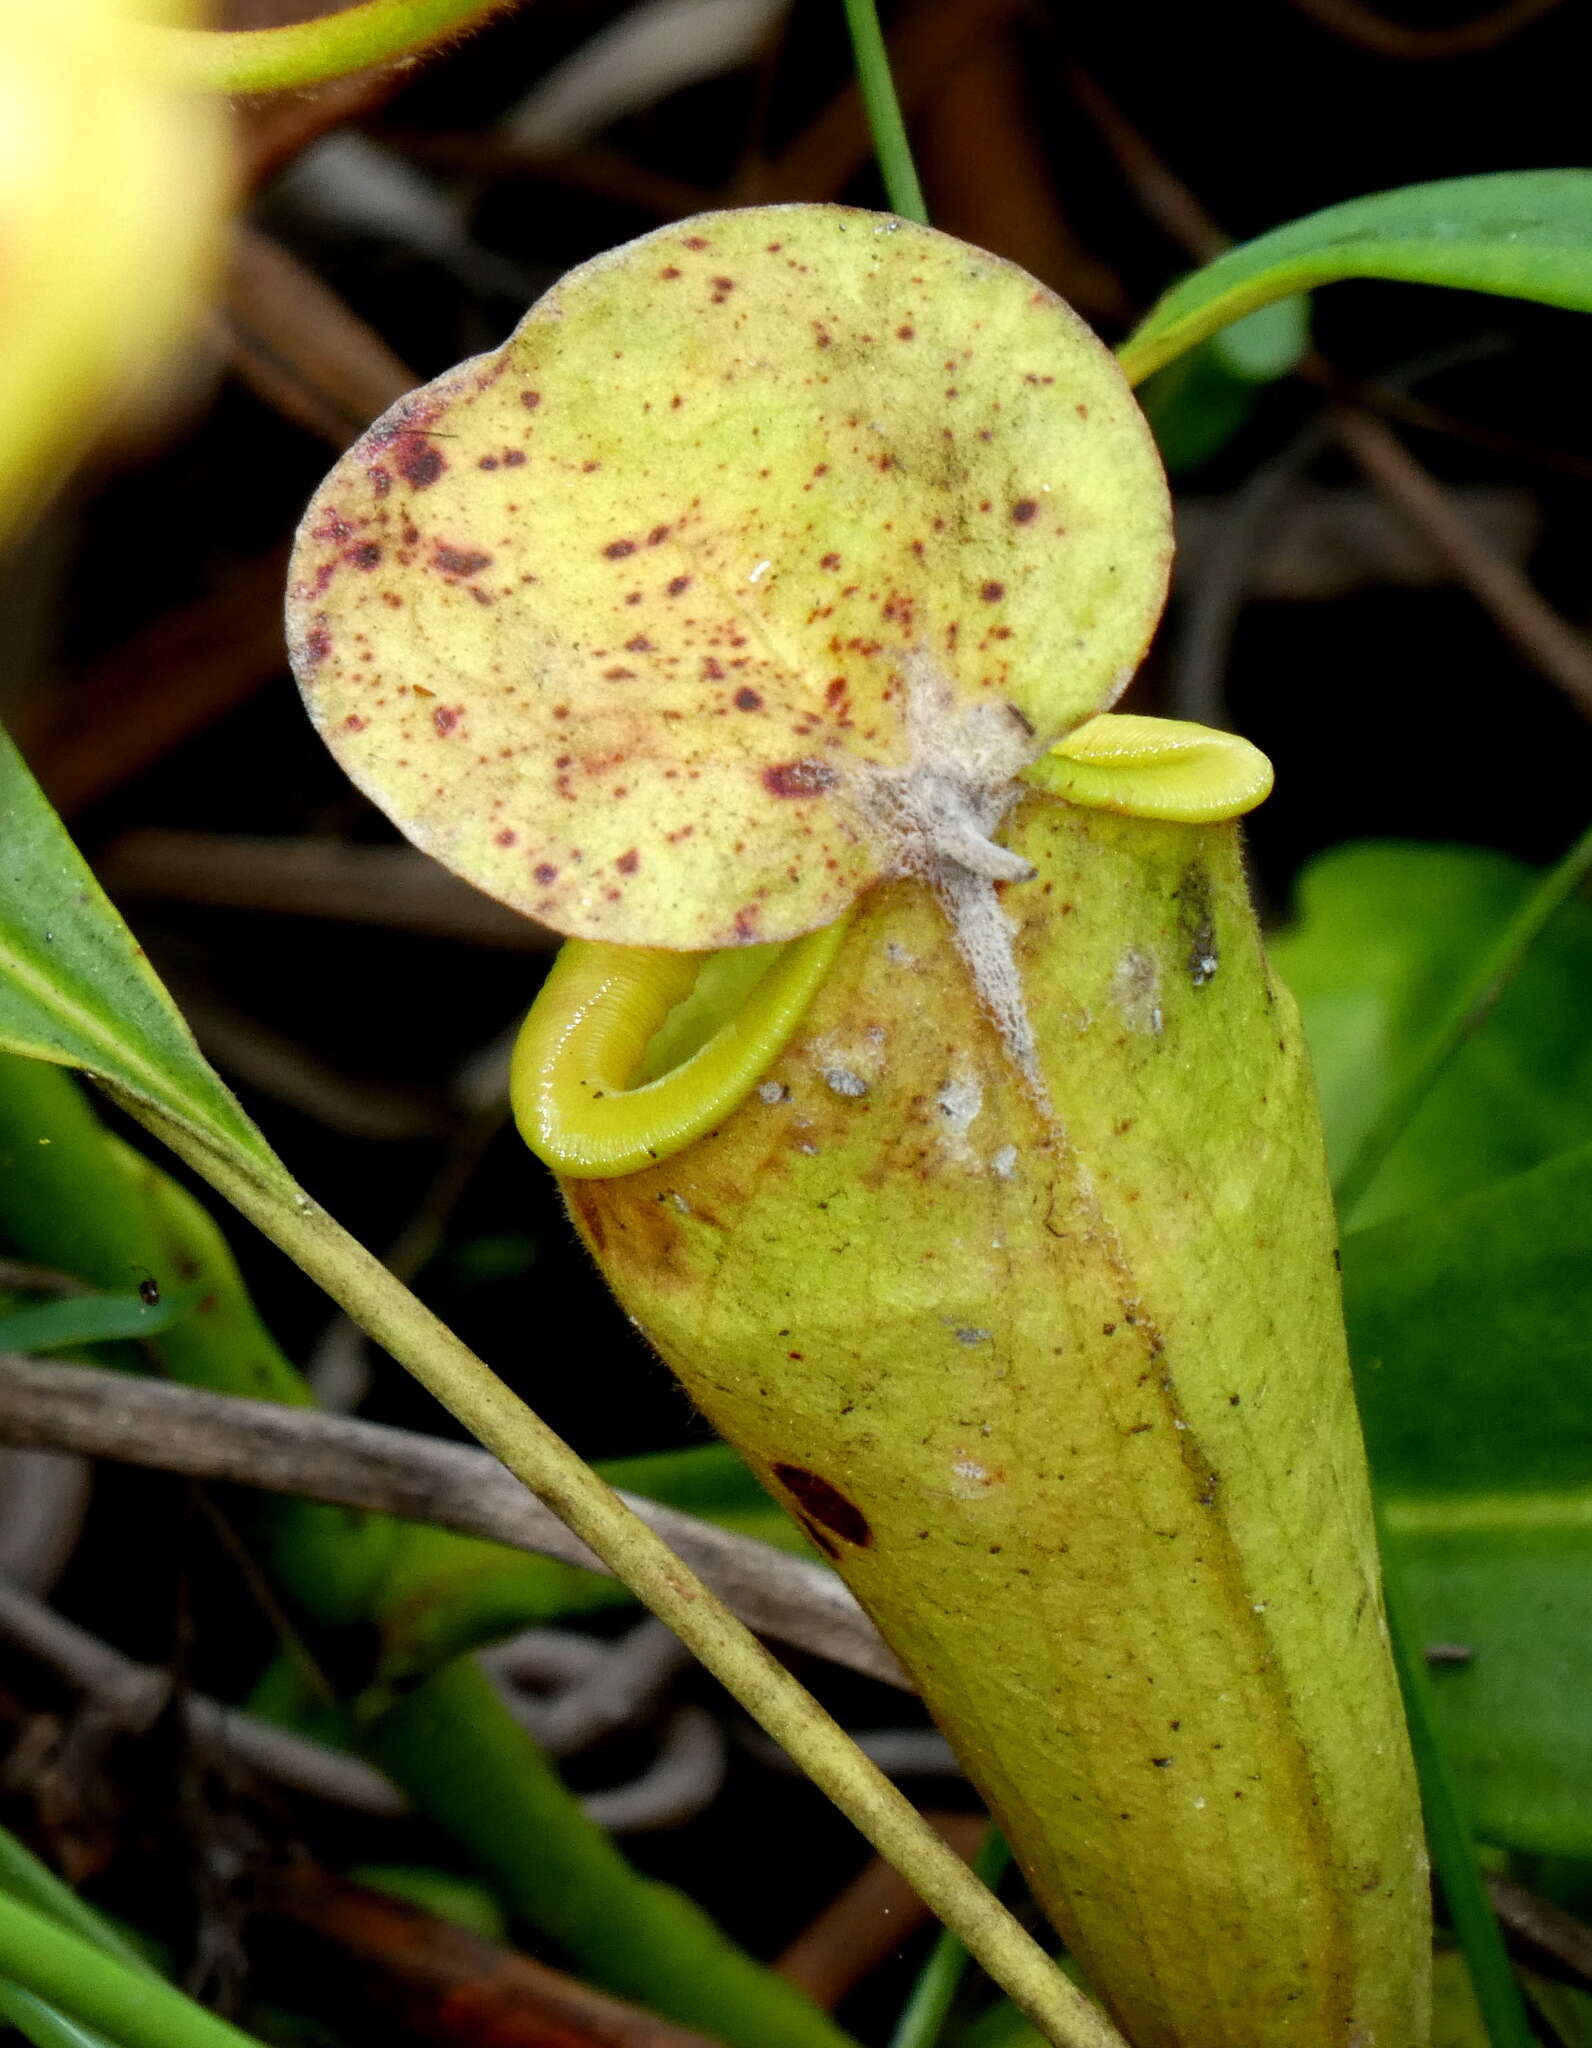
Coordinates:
[306,53]
[42,2024]
[101,1992]
[1469,1009]
[451,1746]
[1448,1831]
[24,1877]
[923,2016]
[885,124]
[497,1418]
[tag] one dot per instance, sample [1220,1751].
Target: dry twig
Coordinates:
[391,886]
[1369,30]
[440,1982]
[423,1479]
[301,348]
[134,1695]
[1546,1933]
[864,1925]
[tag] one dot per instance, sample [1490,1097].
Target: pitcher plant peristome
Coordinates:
[769,581]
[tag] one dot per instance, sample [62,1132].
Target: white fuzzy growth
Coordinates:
[960,1100]
[937,814]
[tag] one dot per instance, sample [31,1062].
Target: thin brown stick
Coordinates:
[133,1695]
[1549,642]
[280,1067]
[866,1923]
[594,168]
[1002,195]
[298,346]
[23,1277]
[423,1479]
[1368,30]
[440,1982]
[1545,1932]
[1520,612]
[171,679]
[925,45]
[391,886]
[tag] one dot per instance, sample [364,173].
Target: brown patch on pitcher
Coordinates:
[824,1503]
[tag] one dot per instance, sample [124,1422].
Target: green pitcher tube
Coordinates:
[1055,1374]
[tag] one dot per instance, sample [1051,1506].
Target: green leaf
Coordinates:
[1267,343]
[1196,404]
[1383,934]
[1522,234]
[1469,1322]
[88,1319]
[76,990]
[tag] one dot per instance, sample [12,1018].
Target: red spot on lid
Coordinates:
[658,533]
[697,242]
[380,479]
[905,333]
[1024,510]
[748,700]
[617,550]
[513,457]
[829,561]
[507,838]
[639,645]
[545,872]
[445,719]
[460,561]
[628,863]
[799,778]
[365,556]
[419,462]
[353,722]
[672,271]
[530,400]
[487,462]
[678,585]
[993,592]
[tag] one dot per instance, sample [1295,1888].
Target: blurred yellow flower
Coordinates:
[112,191]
